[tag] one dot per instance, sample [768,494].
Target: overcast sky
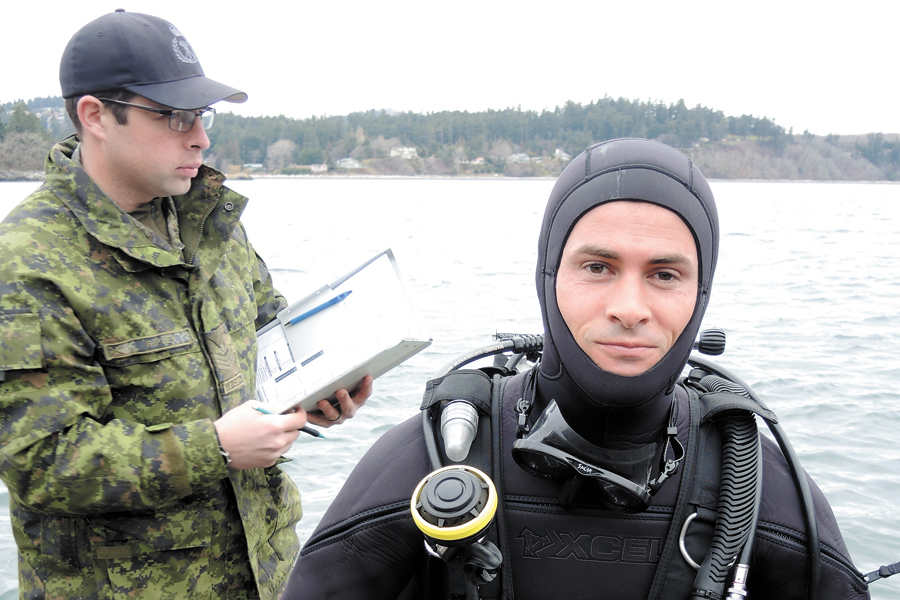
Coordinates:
[823,66]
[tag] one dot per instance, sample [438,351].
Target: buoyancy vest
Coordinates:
[721,424]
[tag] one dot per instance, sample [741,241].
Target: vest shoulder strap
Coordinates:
[483,388]
[674,576]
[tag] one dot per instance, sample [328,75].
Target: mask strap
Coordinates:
[523,405]
[667,467]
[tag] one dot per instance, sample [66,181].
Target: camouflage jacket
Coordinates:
[117,355]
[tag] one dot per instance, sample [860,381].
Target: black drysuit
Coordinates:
[367,546]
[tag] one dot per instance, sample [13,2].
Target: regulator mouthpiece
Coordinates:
[454,506]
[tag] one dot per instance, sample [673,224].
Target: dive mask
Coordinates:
[553,450]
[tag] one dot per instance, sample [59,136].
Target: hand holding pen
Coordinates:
[304,429]
[252,439]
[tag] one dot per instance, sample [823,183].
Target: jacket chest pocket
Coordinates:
[158,377]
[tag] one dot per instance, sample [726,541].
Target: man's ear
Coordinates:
[91,112]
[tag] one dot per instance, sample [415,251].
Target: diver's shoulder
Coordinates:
[782,508]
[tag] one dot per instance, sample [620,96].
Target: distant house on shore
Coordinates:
[405,153]
[349,163]
[521,157]
[323,168]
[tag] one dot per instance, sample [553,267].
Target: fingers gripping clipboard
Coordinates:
[362,324]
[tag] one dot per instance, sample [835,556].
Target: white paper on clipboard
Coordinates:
[372,329]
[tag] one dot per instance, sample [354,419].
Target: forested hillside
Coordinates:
[509,142]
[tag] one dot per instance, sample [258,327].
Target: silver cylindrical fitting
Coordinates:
[459,422]
[738,589]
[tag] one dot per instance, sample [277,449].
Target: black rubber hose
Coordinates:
[737,496]
[747,551]
[434,456]
[524,344]
[809,510]
[748,547]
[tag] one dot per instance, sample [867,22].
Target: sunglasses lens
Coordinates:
[540,464]
[621,497]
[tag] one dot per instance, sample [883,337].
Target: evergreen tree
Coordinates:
[23,121]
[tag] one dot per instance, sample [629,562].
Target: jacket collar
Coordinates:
[207,214]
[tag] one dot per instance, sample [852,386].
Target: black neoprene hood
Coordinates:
[624,169]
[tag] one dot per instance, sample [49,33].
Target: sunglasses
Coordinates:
[181,121]
[548,462]
[541,459]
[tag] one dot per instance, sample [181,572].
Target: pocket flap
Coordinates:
[147,534]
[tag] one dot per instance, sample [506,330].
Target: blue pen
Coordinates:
[319,308]
[304,429]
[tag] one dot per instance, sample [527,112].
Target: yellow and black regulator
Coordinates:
[454,506]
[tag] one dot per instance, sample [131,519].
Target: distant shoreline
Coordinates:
[508,143]
[38,177]
[539,178]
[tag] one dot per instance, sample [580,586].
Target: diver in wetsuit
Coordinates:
[627,254]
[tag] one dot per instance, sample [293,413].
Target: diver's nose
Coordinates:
[627,302]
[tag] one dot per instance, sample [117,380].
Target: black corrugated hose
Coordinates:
[812,530]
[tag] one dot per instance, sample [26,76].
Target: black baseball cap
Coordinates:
[142,54]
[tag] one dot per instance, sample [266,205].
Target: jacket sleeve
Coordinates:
[367,546]
[780,567]
[62,449]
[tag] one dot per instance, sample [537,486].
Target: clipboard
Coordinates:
[361,324]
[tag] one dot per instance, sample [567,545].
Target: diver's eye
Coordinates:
[666,276]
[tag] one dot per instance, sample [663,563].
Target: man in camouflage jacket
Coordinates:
[127,357]
[119,356]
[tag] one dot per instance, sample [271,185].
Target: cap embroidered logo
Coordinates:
[182,47]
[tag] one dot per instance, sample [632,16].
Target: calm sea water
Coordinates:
[805,290]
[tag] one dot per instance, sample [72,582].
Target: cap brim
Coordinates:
[188,94]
